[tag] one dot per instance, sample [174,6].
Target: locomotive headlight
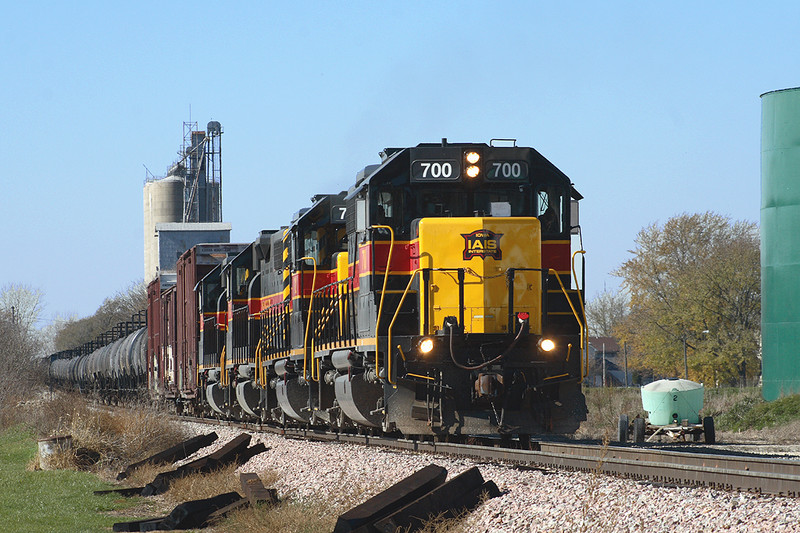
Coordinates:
[471,159]
[425,345]
[546,345]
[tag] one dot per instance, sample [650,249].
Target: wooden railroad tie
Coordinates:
[201,513]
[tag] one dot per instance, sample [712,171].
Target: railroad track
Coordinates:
[778,477]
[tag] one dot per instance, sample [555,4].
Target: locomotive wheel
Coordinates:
[622,429]
[638,429]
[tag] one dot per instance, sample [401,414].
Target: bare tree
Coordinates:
[605,312]
[22,305]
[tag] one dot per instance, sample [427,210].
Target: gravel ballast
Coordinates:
[342,475]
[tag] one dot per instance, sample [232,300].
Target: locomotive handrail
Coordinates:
[273,330]
[320,322]
[383,293]
[308,322]
[391,325]
[260,374]
[209,325]
[240,329]
[575,313]
[335,294]
[333,284]
[223,378]
[585,325]
[510,278]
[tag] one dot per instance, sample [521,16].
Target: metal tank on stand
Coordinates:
[780,242]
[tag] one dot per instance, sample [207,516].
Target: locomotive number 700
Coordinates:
[507,170]
[437,170]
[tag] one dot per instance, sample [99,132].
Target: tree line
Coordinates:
[23,345]
[690,301]
[75,332]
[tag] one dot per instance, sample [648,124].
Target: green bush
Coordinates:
[752,412]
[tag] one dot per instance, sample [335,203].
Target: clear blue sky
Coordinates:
[651,108]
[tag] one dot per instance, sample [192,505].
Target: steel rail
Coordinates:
[727,461]
[778,477]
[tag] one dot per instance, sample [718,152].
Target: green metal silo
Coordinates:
[780,242]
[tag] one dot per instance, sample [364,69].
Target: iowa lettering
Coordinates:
[482,243]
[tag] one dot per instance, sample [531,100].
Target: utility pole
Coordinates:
[685,361]
[625,355]
[604,364]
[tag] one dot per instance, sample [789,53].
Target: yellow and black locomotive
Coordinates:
[438,295]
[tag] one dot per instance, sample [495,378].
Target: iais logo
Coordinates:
[482,243]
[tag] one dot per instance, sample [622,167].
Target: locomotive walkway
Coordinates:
[778,477]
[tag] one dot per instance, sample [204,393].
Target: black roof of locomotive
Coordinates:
[390,156]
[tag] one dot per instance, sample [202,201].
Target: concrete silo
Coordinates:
[163,202]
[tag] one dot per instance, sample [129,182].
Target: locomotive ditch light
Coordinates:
[425,345]
[546,345]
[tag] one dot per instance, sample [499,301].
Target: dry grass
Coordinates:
[788,433]
[605,404]
[208,485]
[202,486]
[305,516]
[717,401]
[115,438]
[286,517]
[146,473]
[299,515]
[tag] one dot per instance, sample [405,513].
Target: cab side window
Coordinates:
[550,209]
[385,207]
[388,208]
[311,245]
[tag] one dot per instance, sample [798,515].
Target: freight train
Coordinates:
[438,295]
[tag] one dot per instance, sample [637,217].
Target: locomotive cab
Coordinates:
[467,316]
[312,246]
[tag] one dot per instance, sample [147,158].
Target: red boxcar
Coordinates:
[173,322]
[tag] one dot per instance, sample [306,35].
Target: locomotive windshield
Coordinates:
[441,203]
[510,202]
[391,206]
